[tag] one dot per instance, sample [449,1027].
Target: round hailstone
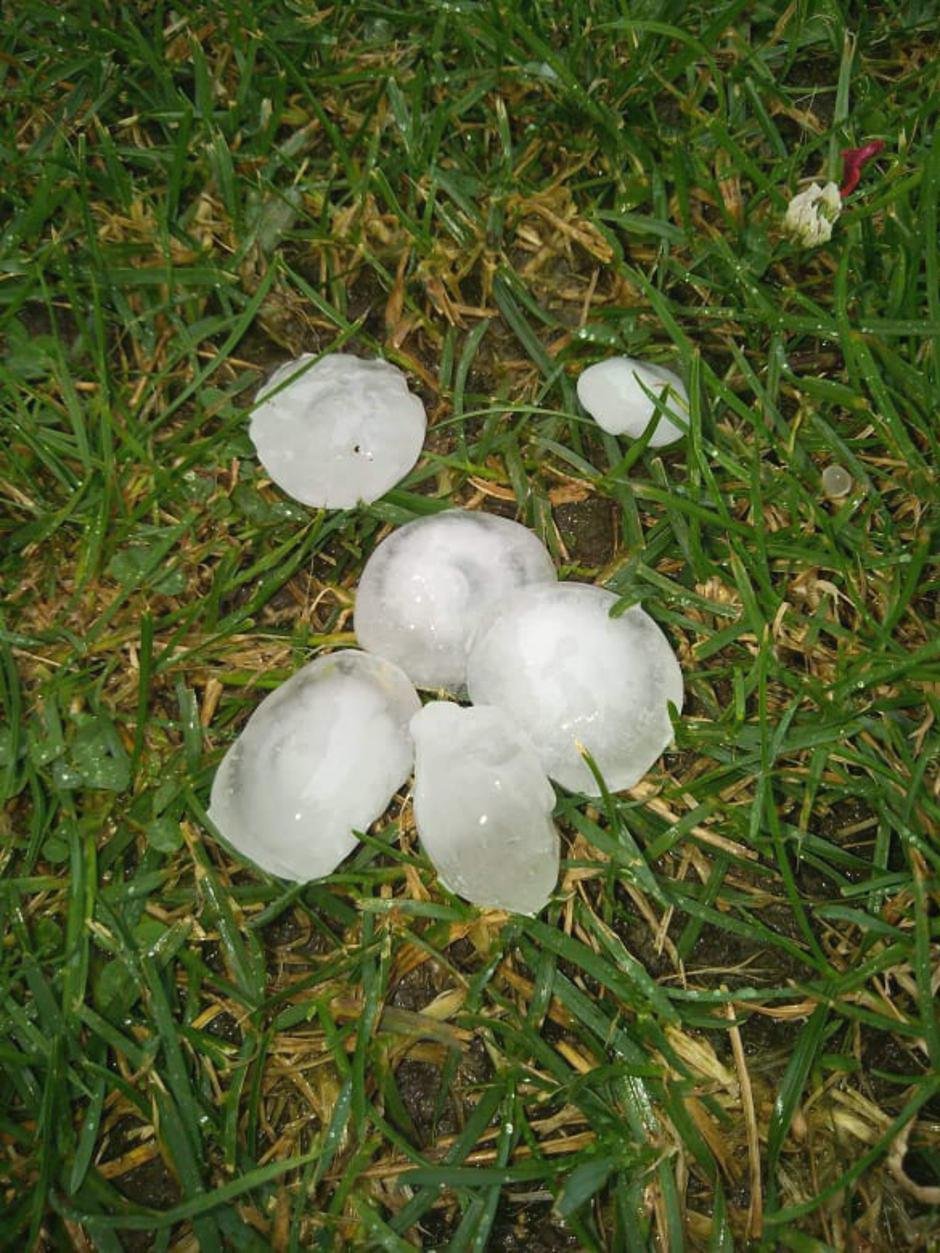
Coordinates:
[570,675]
[425,587]
[836,481]
[319,759]
[344,431]
[612,392]
[483,807]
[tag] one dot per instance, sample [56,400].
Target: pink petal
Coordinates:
[853,159]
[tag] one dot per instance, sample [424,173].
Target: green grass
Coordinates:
[723,1031]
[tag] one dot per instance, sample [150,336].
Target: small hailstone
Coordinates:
[320,758]
[571,676]
[836,481]
[811,214]
[344,431]
[612,392]
[483,807]
[425,587]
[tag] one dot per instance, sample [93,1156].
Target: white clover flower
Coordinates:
[811,215]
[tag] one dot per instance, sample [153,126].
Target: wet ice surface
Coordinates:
[425,587]
[612,394]
[836,481]
[346,430]
[567,673]
[319,758]
[483,807]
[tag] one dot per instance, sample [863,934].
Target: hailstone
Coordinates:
[425,587]
[571,676]
[320,758]
[483,807]
[343,431]
[836,481]
[612,393]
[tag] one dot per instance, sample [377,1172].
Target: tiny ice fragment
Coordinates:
[570,675]
[425,587]
[483,807]
[344,431]
[320,758]
[612,393]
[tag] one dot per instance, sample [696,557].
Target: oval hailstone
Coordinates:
[570,675]
[344,431]
[425,587]
[483,807]
[836,481]
[612,393]
[320,758]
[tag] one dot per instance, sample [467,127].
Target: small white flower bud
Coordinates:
[811,214]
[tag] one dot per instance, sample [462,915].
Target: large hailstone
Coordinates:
[320,758]
[425,587]
[344,431]
[612,392]
[483,807]
[571,675]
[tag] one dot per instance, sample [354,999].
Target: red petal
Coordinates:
[853,159]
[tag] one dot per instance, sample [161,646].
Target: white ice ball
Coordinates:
[570,675]
[612,393]
[425,587]
[483,807]
[346,430]
[319,759]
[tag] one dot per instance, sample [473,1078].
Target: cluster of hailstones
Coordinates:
[461,604]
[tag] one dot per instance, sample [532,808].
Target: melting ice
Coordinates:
[612,392]
[483,807]
[568,674]
[426,586]
[320,758]
[344,430]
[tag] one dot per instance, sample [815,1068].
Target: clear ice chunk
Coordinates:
[612,393]
[483,807]
[344,431]
[426,586]
[320,758]
[569,675]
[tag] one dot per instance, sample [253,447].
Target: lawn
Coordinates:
[723,1032]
